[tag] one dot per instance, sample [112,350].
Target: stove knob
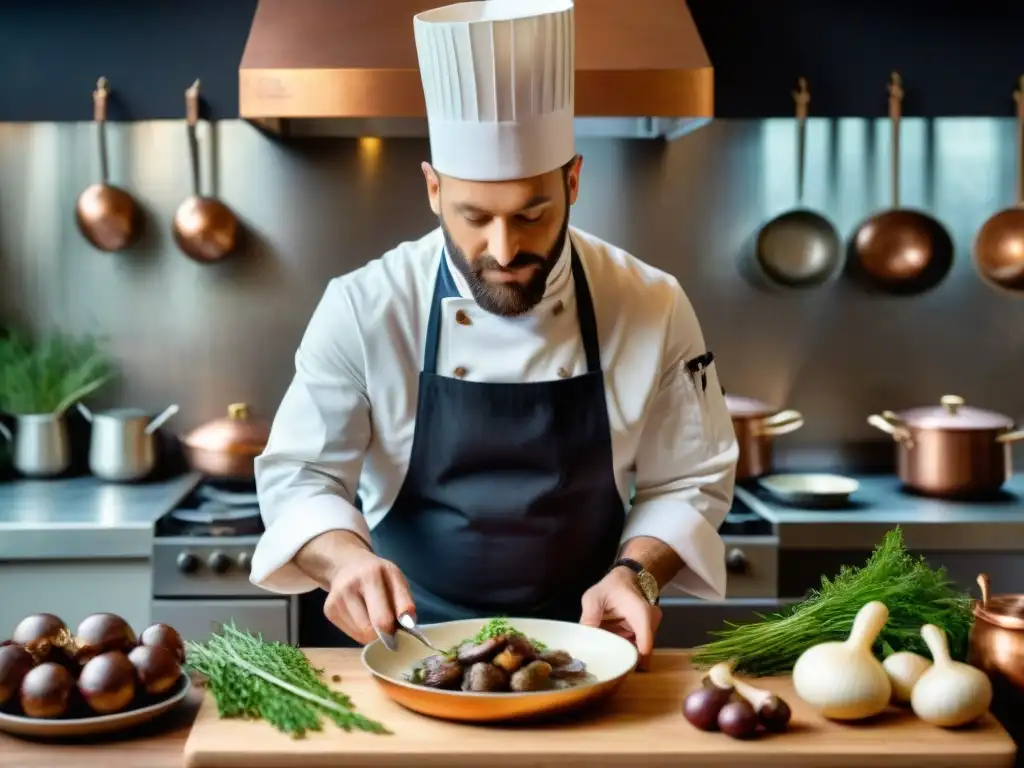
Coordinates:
[244,561]
[736,561]
[187,562]
[219,562]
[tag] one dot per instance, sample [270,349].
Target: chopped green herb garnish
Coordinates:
[501,626]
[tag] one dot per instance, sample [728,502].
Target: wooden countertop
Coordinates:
[158,744]
[643,718]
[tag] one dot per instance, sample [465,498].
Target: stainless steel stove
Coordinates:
[202,551]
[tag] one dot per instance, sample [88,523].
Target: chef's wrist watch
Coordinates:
[644,579]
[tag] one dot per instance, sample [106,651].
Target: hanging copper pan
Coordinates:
[799,248]
[107,216]
[999,246]
[205,229]
[900,250]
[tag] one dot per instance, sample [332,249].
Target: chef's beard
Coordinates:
[507,299]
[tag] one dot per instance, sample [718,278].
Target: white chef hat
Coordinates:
[498,81]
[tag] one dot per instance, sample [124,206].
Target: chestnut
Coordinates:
[46,689]
[156,667]
[165,636]
[107,682]
[99,633]
[43,635]
[15,663]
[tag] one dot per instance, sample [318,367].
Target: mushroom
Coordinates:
[772,711]
[533,677]
[439,672]
[472,653]
[485,678]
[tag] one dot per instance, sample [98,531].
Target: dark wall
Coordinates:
[956,59]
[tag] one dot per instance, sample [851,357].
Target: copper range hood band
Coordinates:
[316,59]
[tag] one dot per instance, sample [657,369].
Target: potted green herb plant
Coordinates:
[39,381]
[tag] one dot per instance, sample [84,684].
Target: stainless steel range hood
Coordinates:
[349,68]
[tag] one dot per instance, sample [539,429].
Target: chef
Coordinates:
[508,416]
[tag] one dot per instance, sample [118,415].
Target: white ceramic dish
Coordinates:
[608,657]
[64,728]
[812,489]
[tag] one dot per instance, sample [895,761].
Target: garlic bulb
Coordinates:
[904,670]
[844,681]
[951,693]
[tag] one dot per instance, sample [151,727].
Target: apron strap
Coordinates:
[445,288]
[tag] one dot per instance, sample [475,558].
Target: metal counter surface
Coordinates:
[83,517]
[881,504]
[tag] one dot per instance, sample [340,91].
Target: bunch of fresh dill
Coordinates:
[914,594]
[255,679]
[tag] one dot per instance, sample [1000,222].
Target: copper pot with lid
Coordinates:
[226,448]
[756,424]
[951,449]
[997,639]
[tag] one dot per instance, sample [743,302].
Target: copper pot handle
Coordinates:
[781,423]
[1011,437]
[983,586]
[888,423]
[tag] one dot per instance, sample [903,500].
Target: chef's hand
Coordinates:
[367,591]
[616,604]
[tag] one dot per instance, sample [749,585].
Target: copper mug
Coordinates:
[997,640]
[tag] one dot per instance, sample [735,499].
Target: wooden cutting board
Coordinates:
[641,724]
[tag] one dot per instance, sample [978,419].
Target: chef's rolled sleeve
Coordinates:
[686,462]
[308,474]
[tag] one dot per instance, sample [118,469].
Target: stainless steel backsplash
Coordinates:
[205,336]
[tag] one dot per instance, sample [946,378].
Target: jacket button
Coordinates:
[462,318]
[558,308]
[564,373]
[459,372]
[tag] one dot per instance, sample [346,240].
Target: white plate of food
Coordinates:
[502,669]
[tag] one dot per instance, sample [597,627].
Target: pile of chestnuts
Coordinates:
[727,704]
[101,669]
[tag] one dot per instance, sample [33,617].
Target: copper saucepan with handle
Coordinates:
[999,245]
[106,215]
[205,229]
[226,448]
[997,641]
[952,449]
[901,251]
[756,424]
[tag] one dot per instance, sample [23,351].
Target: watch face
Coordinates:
[649,586]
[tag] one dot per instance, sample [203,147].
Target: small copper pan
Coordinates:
[999,246]
[997,641]
[106,215]
[204,228]
[900,250]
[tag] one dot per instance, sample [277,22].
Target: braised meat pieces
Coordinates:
[499,664]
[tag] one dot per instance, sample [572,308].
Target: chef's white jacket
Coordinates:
[346,423]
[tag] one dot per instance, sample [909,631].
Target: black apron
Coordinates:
[509,506]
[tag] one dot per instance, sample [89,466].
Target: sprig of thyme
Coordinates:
[259,680]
